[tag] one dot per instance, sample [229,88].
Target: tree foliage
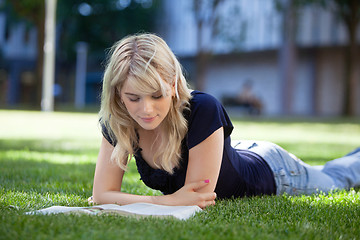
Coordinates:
[101,22]
[98,22]
[349,12]
[32,10]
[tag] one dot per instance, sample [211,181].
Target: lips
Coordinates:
[148,119]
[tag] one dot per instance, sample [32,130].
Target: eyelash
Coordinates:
[157,97]
[137,99]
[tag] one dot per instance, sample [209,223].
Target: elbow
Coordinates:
[98,197]
[105,197]
[95,200]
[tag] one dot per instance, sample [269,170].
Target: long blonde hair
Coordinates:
[146,61]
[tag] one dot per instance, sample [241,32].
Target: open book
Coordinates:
[135,209]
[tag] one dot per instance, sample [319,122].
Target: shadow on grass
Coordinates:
[40,182]
[44,177]
[36,184]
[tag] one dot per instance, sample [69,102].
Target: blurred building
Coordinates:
[18,56]
[246,46]
[249,47]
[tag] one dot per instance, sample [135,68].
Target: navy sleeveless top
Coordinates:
[242,173]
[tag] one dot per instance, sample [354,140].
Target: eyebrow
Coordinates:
[131,94]
[136,95]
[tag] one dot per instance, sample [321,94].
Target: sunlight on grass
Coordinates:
[345,198]
[324,133]
[33,200]
[49,159]
[61,158]
[44,125]
[56,157]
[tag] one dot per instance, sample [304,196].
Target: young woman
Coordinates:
[181,139]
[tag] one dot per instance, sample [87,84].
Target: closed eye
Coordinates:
[157,96]
[134,99]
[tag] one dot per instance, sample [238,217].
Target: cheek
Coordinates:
[166,105]
[131,108]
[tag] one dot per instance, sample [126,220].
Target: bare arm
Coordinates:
[205,160]
[108,179]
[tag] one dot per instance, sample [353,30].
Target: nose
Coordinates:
[148,106]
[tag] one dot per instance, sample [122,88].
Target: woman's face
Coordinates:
[148,110]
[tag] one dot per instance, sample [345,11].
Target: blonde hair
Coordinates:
[147,62]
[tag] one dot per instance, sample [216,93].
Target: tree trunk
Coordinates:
[287,57]
[351,20]
[202,60]
[203,52]
[35,13]
[40,58]
[201,57]
[350,76]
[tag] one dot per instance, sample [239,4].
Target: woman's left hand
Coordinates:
[189,195]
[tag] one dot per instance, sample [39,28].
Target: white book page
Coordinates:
[180,212]
[142,209]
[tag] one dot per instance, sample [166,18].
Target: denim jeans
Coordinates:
[294,177]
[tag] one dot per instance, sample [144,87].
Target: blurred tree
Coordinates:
[98,22]
[212,24]
[207,17]
[289,10]
[101,22]
[34,12]
[349,13]
[287,51]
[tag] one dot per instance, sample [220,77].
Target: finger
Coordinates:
[207,204]
[211,203]
[200,184]
[209,196]
[207,199]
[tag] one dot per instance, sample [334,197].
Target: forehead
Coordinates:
[129,88]
[144,87]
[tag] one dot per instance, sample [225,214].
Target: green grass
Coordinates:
[49,159]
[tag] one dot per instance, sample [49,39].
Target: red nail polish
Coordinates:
[207,181]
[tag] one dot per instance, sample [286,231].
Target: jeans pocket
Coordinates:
[281,180]
[291,181]
[283,177]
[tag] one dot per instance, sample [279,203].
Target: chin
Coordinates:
[149,126]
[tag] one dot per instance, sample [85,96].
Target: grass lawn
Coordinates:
[49,159]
